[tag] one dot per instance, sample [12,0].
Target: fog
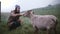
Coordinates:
[8,5]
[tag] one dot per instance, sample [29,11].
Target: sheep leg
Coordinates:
[36,30]
[48,30]
[55,30]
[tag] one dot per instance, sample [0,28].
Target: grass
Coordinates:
[26,27]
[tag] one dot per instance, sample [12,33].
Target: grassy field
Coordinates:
[26,27]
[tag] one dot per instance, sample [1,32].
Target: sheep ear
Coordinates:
[29,11]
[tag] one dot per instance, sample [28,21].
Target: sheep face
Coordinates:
[28,13]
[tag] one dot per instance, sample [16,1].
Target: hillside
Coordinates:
[26,27]
[55,10]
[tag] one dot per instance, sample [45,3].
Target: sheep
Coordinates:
[42,22]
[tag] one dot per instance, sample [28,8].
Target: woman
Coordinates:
[14,21]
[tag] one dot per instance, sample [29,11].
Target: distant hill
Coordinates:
[54,9]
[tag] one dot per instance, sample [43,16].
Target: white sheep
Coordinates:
[42,22]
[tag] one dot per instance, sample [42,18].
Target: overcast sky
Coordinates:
[8,5]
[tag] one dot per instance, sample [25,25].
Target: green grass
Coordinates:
[26,27]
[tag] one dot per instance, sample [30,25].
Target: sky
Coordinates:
[8,5]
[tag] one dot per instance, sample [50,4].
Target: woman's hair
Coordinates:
[17,6]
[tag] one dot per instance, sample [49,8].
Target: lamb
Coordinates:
[42,22]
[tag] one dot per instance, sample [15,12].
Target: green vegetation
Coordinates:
[26,27]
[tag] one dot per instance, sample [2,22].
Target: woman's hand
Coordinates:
[19,14]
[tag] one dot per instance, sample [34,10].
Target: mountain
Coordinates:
[52,10]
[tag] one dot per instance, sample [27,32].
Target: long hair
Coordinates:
[16,9]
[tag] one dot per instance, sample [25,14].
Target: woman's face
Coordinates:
[18,9]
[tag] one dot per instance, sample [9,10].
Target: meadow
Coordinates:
[26,27]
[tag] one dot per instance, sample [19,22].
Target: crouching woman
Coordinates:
[14,20]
